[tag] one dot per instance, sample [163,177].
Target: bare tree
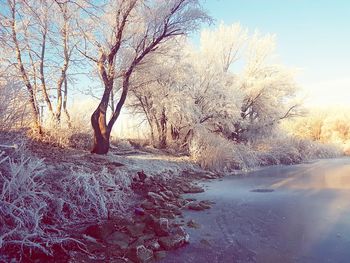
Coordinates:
[133,31]
[10,32]
[41,35]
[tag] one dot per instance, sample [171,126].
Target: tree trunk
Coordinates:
[23,72]
[163,131]
[65,98]
[99,125]
[101,141]
[152,132]
[36,120]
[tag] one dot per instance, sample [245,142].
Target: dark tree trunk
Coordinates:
[164,130]
[101,133]
[99,125]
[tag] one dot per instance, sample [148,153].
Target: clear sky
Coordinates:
[312,35]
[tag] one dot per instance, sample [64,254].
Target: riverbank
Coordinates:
[81,207]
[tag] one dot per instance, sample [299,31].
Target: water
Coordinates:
[295,213]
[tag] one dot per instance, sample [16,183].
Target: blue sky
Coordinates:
[312,35]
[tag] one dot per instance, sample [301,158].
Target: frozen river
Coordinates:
[297,213]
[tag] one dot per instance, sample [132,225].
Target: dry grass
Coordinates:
[36,208]
[216,153]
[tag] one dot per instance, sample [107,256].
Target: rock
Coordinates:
[155,188]
[139,211]
[172,242]
[182,203]
[176,211]
[205,204]
[120,260]
[150,220]
[168,195]
[155,198]
[147,205]
[194,189]
[101,231]
[120,239]
[195,206]
[142,176]
[170,209]
[140,254]
[166,213]
[75,256]
[154,245]
[210,175]
[199,206]
[160,255]
[136,230]
[193,224]
[164,225]
[161,227]
[188,188]
[144,238]
[178,222]
[179,230]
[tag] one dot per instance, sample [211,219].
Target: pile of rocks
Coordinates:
[157,224]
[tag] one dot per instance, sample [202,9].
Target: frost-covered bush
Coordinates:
[77,134]
[94,196]
[329,126]
[34,210]
[210,151]
[291,150]
[244,157]
[277,151]
[214,152]
[23,207]
[121,145]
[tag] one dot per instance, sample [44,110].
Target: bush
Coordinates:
[214,152]
[94,197]
[24,203]
[75,135]
[35,210]
[210,151]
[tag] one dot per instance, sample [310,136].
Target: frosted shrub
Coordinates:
[214,152]
[210,151]
[121,145]
[76,134]
[279,151]
[291,150]
[91,197]
[34,211]
[243,157]
[23,207]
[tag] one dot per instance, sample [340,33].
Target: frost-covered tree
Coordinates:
[41,38]
[269,91]
[124,35]
[188,89]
